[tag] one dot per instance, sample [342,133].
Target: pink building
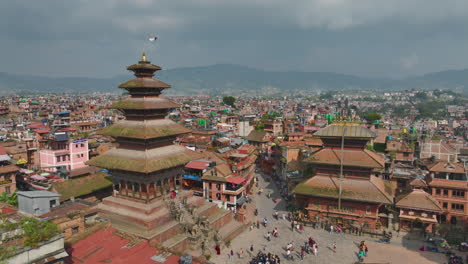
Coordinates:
[69,154]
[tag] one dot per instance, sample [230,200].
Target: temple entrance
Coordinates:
[453,220]
[417,224]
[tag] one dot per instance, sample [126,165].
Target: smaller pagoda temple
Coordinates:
[363,192]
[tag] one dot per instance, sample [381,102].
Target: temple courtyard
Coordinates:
[403,248]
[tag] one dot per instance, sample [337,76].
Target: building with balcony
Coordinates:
[193,173]
[400,151]
[61,120]
[448,183]
[220,186]
[64,153]
[274,127]
[7,173]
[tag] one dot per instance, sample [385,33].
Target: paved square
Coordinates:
[346,244]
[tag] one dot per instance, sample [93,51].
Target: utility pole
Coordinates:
[341,168]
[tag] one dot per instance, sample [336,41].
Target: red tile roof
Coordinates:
[358,158]
[236,180]
[374,190]
[106,247]
[3,151]
[418,199]
[197,165]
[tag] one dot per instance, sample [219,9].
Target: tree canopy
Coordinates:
[229,100]
[372,117]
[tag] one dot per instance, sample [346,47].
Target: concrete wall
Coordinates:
[52,247]
[26,204]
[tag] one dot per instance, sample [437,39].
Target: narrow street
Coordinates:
[346,244]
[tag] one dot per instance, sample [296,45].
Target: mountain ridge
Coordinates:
[232,78]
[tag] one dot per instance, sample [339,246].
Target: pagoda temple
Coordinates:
[146,170]
[364,193]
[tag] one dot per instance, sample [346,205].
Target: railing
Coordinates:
[5,182]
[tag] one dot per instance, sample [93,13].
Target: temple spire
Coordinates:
[143,57]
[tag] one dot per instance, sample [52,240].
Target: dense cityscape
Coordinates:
[234,132]
[148,178]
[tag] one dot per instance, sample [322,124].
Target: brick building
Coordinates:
[449,185]
[7,173]
[364,194]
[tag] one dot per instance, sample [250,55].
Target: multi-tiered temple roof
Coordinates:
[145,136]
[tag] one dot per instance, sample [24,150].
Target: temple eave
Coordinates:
[144,104]
[144,83]
[147,131]
[126,163]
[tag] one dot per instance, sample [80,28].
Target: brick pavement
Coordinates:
[346,244]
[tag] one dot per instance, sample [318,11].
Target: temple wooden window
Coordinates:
[368,210]
[458,207]
[458,193]
[437,191]
[445,193]
[445,205]
[317,204]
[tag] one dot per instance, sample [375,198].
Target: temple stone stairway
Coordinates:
[187,223]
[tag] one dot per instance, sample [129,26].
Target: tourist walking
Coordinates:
[315,246]
[361,256]
[241,253]
[251,248]
[331,229]
[231,255]
[334,247]
[302,253]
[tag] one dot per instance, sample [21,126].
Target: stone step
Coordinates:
[130,227]
[131,213]
[231,230]
[174,241]
[207,209]
[217,216]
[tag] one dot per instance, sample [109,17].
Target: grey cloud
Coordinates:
[365,37]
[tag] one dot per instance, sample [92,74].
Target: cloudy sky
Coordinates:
[391,38]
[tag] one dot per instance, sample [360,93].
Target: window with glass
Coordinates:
[458,193]
[458,207]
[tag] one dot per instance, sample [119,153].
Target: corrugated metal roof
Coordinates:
[35,194]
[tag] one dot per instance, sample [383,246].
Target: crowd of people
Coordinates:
[265,258]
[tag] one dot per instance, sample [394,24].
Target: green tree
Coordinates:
[372,117]
[9,199]
[229,100]
[421,95]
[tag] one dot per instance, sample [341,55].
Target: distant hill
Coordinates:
[230,79]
